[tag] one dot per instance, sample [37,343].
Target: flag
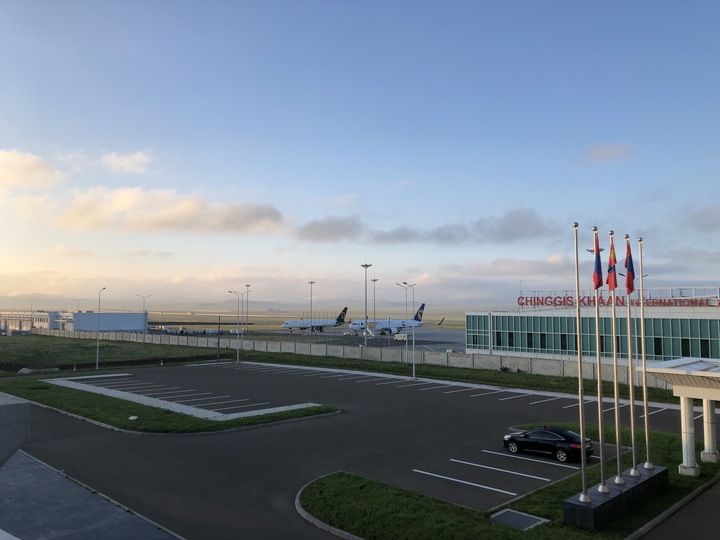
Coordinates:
[612,261]
[629,269]
[597,273]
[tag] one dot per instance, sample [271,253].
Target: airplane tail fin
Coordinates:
[341,318]
[441,321]
[419,314]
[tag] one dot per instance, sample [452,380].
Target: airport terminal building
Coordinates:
[679,322]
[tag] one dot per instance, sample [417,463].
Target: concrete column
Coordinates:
[710,454]
[689,465]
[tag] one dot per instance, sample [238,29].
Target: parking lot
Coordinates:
[442,439]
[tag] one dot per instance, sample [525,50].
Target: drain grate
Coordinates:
[517,520]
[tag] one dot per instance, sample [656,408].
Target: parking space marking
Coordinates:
[654,412]
[394,381]
[544,400]
[585,402]
[461,390]
[197,399]
[499,470]
[514,397]
[515,456]
[224,402]
[414,384]
[434,387]
[489,393]
[613,408]
[372,379]
[243,406]
[167,390]
[352,377]
[466,482]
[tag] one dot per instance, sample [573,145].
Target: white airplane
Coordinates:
[317,324]
[391,326]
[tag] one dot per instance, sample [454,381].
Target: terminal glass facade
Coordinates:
[665,338]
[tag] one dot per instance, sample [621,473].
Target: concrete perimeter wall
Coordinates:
[559,367]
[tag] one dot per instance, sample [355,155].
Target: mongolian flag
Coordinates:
[597,272]
[612,261]
[629,269]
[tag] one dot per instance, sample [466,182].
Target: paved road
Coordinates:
[441,439]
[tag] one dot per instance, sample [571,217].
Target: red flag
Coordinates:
[597,272]
[629,269]
[612,276]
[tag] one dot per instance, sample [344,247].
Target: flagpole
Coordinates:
[612,284]
[602,488]
[584,497]
[629,289]
[643,357]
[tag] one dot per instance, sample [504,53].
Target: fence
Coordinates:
[537,366]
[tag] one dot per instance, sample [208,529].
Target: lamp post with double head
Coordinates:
[366,266]
[406,287]
[237,340]
[32,314]
[145,312]
[413,324]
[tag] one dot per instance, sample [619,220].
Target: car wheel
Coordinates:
[561,455]
[513,447]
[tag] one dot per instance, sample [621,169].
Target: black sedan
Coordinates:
[561,443]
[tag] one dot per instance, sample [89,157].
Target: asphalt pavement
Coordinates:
[202,485]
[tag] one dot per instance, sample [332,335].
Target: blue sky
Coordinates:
[184,148]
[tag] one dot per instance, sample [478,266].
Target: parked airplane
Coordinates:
[317,324]
[391,326]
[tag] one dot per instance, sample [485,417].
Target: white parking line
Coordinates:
[461,390]
[434,387]
[489,393]
[543,400]
[195,394]
[224,402]
[585,402]
[201,399]
[466,483]
[514,397]
[365,380]
[414,384]
[169,389]
[515,456]
[352,377]
[654,412]
[243,406]
[389,382]
[500,470]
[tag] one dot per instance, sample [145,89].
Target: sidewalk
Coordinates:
[40,502]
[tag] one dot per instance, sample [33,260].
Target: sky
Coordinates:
[181,149]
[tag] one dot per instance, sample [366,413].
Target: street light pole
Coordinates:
[247,302]
[406,317]
[97,334]
[237,341]
[374,281]
[32,314]
[366,266]
[413,326]
[145,312]
[311,283]
[78,300]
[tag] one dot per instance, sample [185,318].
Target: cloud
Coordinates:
[147,253]
[135,163]
[707,219]
[603,153]
[27,170]
[166,210]
[514,226]
[332,229]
